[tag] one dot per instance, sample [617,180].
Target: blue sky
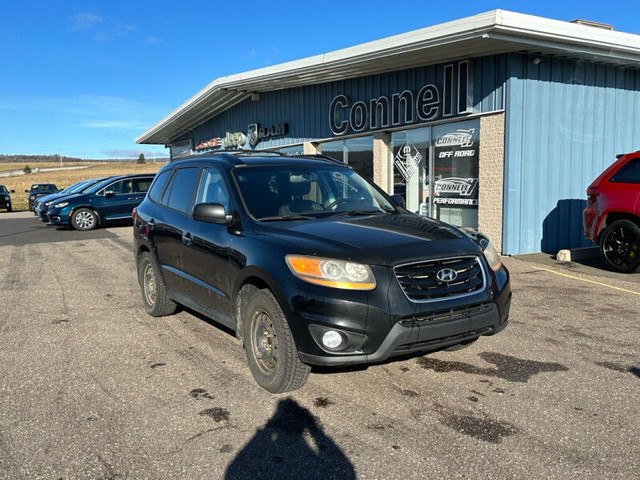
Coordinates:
[84,78]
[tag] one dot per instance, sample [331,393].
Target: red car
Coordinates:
[612,216]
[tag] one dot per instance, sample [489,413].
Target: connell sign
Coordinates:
[454,97]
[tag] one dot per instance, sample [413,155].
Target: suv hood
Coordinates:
[388,239]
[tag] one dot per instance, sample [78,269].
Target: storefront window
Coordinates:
[455,172]
[436,169]
[355,152]
[294,150]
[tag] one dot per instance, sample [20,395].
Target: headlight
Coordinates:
[61,205]
[331,273]
[491,254]
[49,203]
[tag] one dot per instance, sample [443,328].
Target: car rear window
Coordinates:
[628,173]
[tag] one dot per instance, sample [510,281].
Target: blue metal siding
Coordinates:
[565,122]
[306,109]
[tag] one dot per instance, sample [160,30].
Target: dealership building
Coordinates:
[497,121]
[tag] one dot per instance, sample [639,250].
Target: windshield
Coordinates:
[301,191]
[3,189]
[43,188]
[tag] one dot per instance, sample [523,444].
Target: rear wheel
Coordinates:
[154,293]
[620,246]
[269,345]
[84,219]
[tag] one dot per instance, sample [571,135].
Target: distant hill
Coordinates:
[56,158]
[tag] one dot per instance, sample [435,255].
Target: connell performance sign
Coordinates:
[454,97]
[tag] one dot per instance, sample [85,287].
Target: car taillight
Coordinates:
[133,213]
[592,195]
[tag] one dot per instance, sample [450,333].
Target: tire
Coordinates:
[84,219]
[9,209]
[620,246]
[154,293]
[270,348]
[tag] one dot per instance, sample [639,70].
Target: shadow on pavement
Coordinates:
[292,445]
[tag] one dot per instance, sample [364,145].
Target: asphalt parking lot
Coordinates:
[93,388]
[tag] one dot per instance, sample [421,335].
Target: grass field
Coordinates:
[64,178]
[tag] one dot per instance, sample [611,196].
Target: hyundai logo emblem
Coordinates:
[447,275]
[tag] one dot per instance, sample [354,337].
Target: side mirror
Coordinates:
[26,191]
[211,213]
[398,200]
[13,191]
[109,194]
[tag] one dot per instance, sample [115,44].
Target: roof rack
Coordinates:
[235,156]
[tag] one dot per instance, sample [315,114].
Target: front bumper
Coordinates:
[58,216]
[383,323]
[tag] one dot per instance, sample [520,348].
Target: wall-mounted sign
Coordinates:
[258,133]
[211,143]
[234,140]
[453,97]
[238,140]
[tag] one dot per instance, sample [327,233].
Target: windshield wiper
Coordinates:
[355,213]
[285,217]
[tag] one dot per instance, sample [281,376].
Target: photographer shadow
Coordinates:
[292,445]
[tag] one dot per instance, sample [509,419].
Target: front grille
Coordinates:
[421,284]
[445,315]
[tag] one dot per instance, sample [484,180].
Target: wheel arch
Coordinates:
[252,279]
[614,216]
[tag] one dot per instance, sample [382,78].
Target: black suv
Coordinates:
[311,264]
[38,190]
[5,198]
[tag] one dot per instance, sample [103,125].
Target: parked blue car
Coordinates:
[42,204]
[110,200]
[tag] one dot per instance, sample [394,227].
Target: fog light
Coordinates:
[332,339]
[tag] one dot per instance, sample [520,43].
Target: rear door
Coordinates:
[169,224]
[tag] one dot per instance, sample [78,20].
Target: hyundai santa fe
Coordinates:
[311,264]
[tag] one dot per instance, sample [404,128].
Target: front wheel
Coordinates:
[269,345]
[84,219]
[620,246]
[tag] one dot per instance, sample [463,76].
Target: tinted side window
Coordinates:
[628,173]
[212,188]
[122,186]
[179,192]
[141,185]
[158,186]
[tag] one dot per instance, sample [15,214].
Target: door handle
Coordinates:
[186,238]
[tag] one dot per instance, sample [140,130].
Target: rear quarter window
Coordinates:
[157,187]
